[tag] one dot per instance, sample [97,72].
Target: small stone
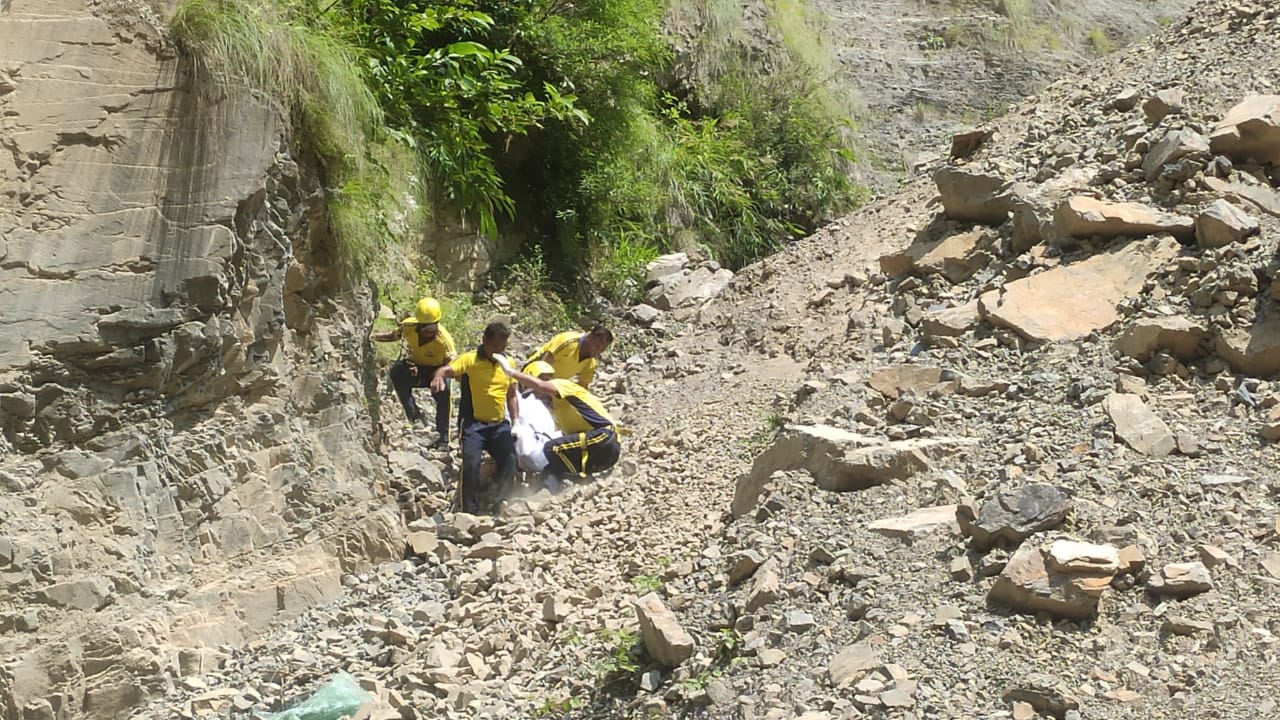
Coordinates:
[799,621]
[1182,579]
[961,569]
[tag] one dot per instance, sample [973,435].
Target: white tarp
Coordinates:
[532,429]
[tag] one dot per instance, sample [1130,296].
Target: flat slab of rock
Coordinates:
[950,322]
[687,288]
[1013,515]
[1052,306]
[916,524]
[664,639]
[1081,217]
[840,460]
[1182,580]
[1259,196]
[1177,336]
[972,196]
[894,380]
[1140,428]
[852,662]
[1065,579]
[1250,131]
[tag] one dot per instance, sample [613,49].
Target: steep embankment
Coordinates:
[185,450]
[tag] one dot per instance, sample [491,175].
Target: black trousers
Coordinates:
[404,383]
[581,454]
[497,440]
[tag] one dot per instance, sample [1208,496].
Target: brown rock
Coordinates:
[1172,147]
[1252,350]
[1140,428]
[972,196]
[1222,223]
[1052,306]
[1158,106]
[1178,336]
[852,663]
[956,257]
[950,322]
[1250,131]
[1065,579]
[664,639]
[1082,217]
[1182,580]
[916,524]
[893,380]
[965,144]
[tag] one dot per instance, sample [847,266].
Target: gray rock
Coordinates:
[973,196]
[1013,515]
[664,639]
[1250,132]
[1172,147]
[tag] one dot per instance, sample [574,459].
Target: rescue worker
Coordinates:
[574,353]
[590,440]
[430,347]
[488,404]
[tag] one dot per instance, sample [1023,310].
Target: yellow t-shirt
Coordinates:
[577,410]
[564,357]
[434,352]
[484,387]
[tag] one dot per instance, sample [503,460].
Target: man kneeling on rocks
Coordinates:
[590,440]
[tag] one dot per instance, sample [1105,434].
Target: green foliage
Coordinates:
[566,119]
[620,656]
[760,439]
[557,706]
[280,52]
[1098,41]
[444,83]
[646,583]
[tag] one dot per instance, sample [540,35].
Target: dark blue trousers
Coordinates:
[404,383]
[495,439]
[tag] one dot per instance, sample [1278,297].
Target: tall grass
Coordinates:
[282,53]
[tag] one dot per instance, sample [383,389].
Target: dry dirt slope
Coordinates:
[532,614]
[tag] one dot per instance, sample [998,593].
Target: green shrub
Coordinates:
[315,76]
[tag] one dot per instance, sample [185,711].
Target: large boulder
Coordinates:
[1250,131]
[1222,223]
[1253,350]
[1013,515]
[1064,578]
[972,196]
[1071,301]
[1081,217]
[1179,336]
[840,460]
[956,257]
[688,287]
[1174,146]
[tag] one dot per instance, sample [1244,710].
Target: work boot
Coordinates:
[552,483]
[442,444]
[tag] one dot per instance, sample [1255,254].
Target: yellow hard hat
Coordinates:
[538,368]
[427,311]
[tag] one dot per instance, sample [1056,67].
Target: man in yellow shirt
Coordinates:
[488,404]
[574,353]
[430,347]
[590,440]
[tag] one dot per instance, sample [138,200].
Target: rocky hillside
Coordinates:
[1000,445]
[185,447]
[996,446]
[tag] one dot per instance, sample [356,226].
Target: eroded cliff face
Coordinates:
[185,445]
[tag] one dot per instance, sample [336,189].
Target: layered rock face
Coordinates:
[185,452]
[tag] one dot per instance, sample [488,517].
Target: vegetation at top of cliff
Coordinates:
[569,123]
